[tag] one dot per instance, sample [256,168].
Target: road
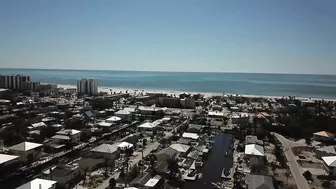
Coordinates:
[293,165]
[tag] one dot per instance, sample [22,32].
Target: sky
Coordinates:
[262,36]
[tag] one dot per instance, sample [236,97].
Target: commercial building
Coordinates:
[67,135]
[87,86]
[63,174]
[174,102]
[13,81]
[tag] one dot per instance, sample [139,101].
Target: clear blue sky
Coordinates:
[288,36]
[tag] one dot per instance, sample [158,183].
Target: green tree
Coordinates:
[112,183]
[308,175]
[144,142]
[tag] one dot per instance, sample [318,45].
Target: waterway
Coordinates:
[213,166]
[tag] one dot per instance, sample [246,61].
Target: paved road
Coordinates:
[293,165]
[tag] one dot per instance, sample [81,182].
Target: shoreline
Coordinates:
[173,92]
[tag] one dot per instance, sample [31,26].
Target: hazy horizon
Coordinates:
[234,36]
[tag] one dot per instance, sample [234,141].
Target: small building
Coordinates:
[254,150]
[106,151]
[239,118]
[254,181]
[37,125]
[150,127]
[329,163]
[323,136]
[124,114]
[250,139]
[66,135]
[27,151]
[195,128]
[125,145]
[216,114]
[107,126]
[6,160]
[190,136]
[65,175]
[325,151]
[153,183]
[39,184]
[113,119]
[181,148]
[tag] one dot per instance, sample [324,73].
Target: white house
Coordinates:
[254,150]
[6,159]
[329,163]
[193,136]
[216,114]
[106,151]
[37,125]
[148,126]
[66,135]
[27,151]
[39,184]
[181,148]
[113,119]
[124,114]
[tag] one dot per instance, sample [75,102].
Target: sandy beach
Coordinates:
[138,92]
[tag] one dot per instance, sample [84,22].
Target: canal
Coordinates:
[213,166]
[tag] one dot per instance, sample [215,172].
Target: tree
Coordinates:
[85,169]
[152,138]
[308,175]
[122,173]
[134,171]
[112,183]
[308,141]
[144,142]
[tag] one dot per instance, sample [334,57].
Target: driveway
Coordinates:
[293,165]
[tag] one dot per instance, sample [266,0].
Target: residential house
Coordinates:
[250,139]
[195,128]
[323,136]
[325,151]
[148,127]
[39,184]
[113,119]
[65,175]
[238,118]
[329,163]
[106,151]
[192,136]
[254,181]
[182,149]
[124,114]
[6,160]
[27,151]
[66,135]
[154,183]
[254,150]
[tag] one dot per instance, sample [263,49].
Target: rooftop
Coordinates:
[259,182]
[153,181]
[190,135]
[6,158]
[38,184]
[106,148]
[25,146]
[180,147]
[324,134]
[68,131]
[254,149]
[330,160]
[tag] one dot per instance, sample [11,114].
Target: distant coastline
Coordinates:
[254,84]
[176,93]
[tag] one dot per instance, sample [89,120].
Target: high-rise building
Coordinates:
[87,86]
[13,81]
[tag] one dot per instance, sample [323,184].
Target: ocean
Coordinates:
[317,86]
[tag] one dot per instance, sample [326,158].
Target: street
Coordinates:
[293,165]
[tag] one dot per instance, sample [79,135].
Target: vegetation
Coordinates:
[308,175]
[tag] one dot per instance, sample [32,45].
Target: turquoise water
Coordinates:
[320,86]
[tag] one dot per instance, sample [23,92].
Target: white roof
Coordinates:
[330,160]
[113,118]
[180,147]
[25,146]
[240,115]
[39,124]
[61,137]
[5,158]
[190,135]
[125,145]
[36,183]
[152,182]
[105,124]
[57,125]
[147,125]
[106,148]
[216,114]
[122,112]
[67,131]
[254,149]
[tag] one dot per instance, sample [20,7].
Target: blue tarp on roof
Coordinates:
[89,114]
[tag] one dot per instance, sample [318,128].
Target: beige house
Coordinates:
[27,151]
[323,136]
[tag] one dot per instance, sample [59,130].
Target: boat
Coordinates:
[227,174]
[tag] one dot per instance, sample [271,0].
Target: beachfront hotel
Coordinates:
[17,82]
[87,86]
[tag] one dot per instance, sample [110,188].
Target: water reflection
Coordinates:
[213,166]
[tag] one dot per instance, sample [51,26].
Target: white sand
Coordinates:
[134,91]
